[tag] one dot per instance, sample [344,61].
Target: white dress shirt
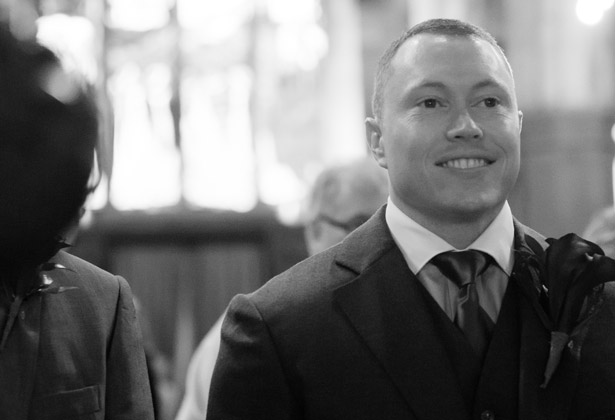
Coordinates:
[419,246]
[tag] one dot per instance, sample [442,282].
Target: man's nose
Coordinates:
[463,127]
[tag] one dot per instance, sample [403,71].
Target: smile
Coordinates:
[465,163]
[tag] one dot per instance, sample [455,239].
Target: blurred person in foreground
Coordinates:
[70,346]
[341,199]
[442,305]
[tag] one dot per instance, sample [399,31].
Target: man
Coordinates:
[376,327]
[342,198]
[70,346]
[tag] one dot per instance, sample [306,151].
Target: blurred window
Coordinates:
[191,92]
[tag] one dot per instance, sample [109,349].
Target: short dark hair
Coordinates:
[448,27]
[47,144]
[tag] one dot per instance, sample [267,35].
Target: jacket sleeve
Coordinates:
[249,381]
[128,392]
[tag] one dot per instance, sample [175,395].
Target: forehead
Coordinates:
[450,57]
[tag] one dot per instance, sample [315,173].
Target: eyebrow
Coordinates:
[489,83]
[434,84]
[430,84]
[439,85]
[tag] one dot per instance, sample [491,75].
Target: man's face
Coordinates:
[449,133]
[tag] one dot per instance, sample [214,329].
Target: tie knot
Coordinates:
[461,267]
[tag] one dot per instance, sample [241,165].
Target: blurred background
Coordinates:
[218,115]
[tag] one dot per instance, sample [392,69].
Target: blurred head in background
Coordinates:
[48,134]
[342,198]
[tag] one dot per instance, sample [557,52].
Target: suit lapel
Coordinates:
[536,402]
[533,334]
[390,310]
[534,348]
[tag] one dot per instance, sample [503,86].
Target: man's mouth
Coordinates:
[465,163]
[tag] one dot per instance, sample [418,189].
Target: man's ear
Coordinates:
[520,120]
[374,141]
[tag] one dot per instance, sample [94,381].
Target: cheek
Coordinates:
[408,153]
[514,166]
[504,125]
[512,148]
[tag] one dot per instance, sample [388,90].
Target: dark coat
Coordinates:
[75,351]
[352,334]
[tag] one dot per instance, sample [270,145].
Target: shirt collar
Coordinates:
[419,245]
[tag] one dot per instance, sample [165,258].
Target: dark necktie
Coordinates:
[462,268]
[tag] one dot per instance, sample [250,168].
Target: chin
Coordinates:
[467,211]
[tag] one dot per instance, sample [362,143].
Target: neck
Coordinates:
[458,235]
[459,230]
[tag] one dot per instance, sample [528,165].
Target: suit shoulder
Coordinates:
[303,288]
[77,264]
[85,272]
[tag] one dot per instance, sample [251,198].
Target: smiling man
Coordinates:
[439,306]
[447,128]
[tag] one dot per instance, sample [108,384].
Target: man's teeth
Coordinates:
[465,163]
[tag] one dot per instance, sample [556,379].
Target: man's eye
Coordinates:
[430,103]
[491,102]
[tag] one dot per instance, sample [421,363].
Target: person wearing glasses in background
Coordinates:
[341,199]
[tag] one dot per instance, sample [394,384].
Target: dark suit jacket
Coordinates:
[351,334]
[75,351]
